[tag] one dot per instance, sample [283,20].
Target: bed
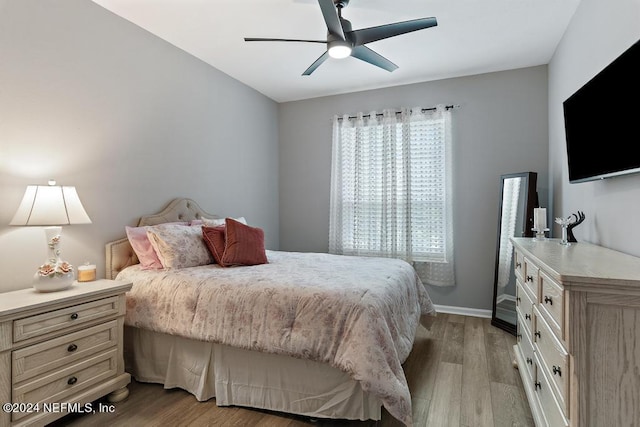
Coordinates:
[317,335]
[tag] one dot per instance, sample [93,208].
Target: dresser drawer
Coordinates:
[551,411]
[526,348]
[61,385]
[552,303]
[518,264]
[56,320]
[530,277]
[524,306]
[41,358]
[555,360]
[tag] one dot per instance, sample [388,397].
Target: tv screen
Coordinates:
[602,121]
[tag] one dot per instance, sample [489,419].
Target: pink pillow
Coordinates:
[243,245]
[142,247]
[214,238]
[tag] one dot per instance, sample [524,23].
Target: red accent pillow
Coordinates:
[214,238]
[244,245]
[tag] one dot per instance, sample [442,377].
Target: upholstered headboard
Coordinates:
[119,253]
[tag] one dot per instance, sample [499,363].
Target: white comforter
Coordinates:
[356,314]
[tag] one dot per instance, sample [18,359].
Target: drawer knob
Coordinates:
[548,300]
[72,380]
[557,371]
[537,334]
[74,316]
[72,348]
[527,316]
[530,361]
[529,279]
[538,385]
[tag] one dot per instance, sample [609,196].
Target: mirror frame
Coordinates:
[531,203]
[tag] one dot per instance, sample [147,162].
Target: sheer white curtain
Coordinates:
[391,189]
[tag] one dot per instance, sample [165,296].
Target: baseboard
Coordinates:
[464,311]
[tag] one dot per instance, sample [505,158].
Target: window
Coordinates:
[391,186]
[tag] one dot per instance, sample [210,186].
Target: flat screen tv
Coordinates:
[602,121]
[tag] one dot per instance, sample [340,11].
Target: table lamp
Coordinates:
[51,206]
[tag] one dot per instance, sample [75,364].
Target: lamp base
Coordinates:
[52,283]
[54,274]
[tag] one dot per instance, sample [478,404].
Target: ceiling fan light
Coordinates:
[339,50]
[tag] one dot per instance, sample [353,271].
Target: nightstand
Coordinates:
[61,348]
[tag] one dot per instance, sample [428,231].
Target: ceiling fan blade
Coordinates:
[316,64]
[331,18]
[259,39]
[372,34]
[367,55]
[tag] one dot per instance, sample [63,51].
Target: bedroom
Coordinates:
[92,111]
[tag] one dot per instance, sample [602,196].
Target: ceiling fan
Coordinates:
[342,41]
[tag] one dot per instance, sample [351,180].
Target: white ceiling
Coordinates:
[472,37]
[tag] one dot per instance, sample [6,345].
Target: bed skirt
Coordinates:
[246,378]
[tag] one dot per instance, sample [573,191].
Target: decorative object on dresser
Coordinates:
[578,333]
[52,206]
[269,335]
[516,217]
[578,219]
[61,348]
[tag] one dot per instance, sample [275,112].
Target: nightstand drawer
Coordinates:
[41,358]
[56,320]
[61,385]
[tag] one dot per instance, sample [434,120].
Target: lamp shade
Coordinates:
[50,205]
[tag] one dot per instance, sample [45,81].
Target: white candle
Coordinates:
[86,273]
[539,218]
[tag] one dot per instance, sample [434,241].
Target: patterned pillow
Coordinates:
[214,238]
[244,245]
[142,246]
[179,246]
[217,222]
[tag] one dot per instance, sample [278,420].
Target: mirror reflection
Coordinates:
[518,198]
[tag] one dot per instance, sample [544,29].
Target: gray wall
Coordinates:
[91,100]
[598,33]
[500,128]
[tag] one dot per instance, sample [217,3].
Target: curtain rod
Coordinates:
[448,107]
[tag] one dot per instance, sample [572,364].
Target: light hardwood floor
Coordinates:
[460,373]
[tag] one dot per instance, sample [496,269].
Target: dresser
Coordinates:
[578,333]
[60,351]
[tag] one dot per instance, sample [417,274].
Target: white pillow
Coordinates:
[217,222]
[179,246]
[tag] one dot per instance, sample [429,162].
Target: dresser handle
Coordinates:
[557,371]
[518,299]
[518,265]
[72,348]
[519,336]
[538,385]
[530,361]
[72,380]
[529,279]
[548,300]
[527,316]
[537,334]
[74,316]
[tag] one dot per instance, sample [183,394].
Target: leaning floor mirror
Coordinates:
[518,197]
